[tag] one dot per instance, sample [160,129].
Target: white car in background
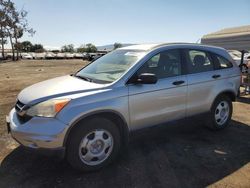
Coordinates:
[50,55]
[236,55]
[26,56]
[40,55]
[69,55]
[33,54]
[247,56]
[60,56]
[78,55]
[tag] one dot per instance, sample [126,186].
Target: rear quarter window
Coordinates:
[221,62]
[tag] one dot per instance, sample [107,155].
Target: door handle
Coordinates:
[216,76]
[178,82]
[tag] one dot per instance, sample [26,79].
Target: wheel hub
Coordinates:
[222,112]
[96,147]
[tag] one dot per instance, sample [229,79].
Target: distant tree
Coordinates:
[117,45]
[37,48]
[40,50]
[68,48]
[81,49]
[20,26]
[10,23]
[90,48]
[13,24]
[26,46]
[3,24]
[18,47]
[3,41]
[55,51]
[87,48]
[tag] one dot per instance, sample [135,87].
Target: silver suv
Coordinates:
[87,116]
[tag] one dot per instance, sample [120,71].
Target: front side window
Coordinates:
[163,65]
[198,61]
[110,67]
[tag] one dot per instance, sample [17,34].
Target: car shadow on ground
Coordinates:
[182,154]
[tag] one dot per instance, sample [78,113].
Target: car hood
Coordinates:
[56,87]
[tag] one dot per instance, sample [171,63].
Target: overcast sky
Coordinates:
[59,22]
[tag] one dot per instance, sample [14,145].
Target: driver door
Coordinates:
[151,104]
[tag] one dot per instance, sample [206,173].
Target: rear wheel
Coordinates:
[93,144]
[220,113]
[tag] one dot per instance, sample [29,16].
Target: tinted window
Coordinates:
[198,61]
[222,63]
[163,65]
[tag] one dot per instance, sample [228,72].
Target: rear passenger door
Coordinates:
[201,79]
[223,67]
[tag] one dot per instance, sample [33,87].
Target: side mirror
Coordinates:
[146,78]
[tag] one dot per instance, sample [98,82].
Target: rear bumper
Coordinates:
[45,135]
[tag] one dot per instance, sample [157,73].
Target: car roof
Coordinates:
[147,47]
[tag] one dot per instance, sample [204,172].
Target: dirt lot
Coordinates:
[180,154]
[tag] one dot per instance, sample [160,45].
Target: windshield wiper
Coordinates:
[90,79]
[84,78]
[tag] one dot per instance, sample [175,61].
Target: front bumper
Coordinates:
[38,133]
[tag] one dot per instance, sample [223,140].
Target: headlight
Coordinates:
[47,108]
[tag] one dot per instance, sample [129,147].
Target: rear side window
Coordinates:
[198,61]
[221,62]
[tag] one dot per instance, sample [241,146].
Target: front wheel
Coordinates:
[93,144]
[220,113]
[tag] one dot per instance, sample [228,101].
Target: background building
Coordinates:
[236,38]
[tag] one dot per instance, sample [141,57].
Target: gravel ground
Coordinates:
[179,154]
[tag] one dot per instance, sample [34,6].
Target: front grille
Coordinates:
[22,117]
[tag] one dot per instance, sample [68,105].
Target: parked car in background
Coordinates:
[85,56]
[33,54]
[247,56]
[69,55]
[8,55]
[97,56]
[92,56]
[88,116]
[40,55]
[60,55]
[50,55]
[236,55]
[78,55]
[26,56]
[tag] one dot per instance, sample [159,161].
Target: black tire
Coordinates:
[214,124]
[82,130]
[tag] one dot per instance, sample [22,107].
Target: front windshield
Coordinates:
[110,67]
